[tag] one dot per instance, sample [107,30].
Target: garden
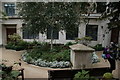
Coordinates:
[41,54]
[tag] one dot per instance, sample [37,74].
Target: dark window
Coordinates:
[28,35]
[72,35]
[9,9]
[92,31]
[101,7]
[55,33]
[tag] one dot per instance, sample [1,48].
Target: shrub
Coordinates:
[98,47]
[69,43]
[48,56]
[8,73]
[22,43]
[18,48]
[107,75]
[29,59]
[14,38]
[57,48]
[45,46]
[84,40]
[83,75]
[63,56]
[16,43]
[34,53]
[10,45]
[66,46]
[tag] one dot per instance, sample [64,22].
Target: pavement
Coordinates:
[32,71]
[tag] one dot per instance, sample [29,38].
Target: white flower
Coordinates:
[44,63]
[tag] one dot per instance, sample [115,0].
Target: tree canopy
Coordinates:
[113,12]
[38,16]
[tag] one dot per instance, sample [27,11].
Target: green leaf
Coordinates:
[15,74]
[85,72]
[87,76]
[1,72]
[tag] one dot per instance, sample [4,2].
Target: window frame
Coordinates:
[11,11]
[73,37]
[96,35]
[54,31]
[29,36]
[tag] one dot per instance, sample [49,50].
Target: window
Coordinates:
[27,35]
[101,7]
[55,33]
[92,31]
[9,9]
[72,35]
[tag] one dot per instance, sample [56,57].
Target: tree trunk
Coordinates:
[51,38]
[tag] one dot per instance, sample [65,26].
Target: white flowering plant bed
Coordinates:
[44,63]
[53,64]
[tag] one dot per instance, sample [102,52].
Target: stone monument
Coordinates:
[81,56]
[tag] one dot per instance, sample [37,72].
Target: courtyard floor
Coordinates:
[32,71]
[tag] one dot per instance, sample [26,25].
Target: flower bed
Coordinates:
[58,57]
[42,55]
[44,63]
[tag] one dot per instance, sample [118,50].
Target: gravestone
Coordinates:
[81,56]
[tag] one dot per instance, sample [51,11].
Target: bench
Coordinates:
[69,74]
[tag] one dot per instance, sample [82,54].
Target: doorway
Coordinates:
[114,35]
[10,31]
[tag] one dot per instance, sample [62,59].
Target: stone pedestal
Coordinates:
[117,69]
[81,56]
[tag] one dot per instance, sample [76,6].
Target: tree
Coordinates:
[3,15]
[113,13]
[39,16]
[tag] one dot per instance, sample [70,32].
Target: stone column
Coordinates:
[62,37]
[117,69]
[18,28]
[42,37]
[82,30]
[0,24]
[1,43]
[81,56]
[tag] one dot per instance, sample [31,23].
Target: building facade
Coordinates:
[96,28]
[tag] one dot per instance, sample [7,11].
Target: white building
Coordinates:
[13,24]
